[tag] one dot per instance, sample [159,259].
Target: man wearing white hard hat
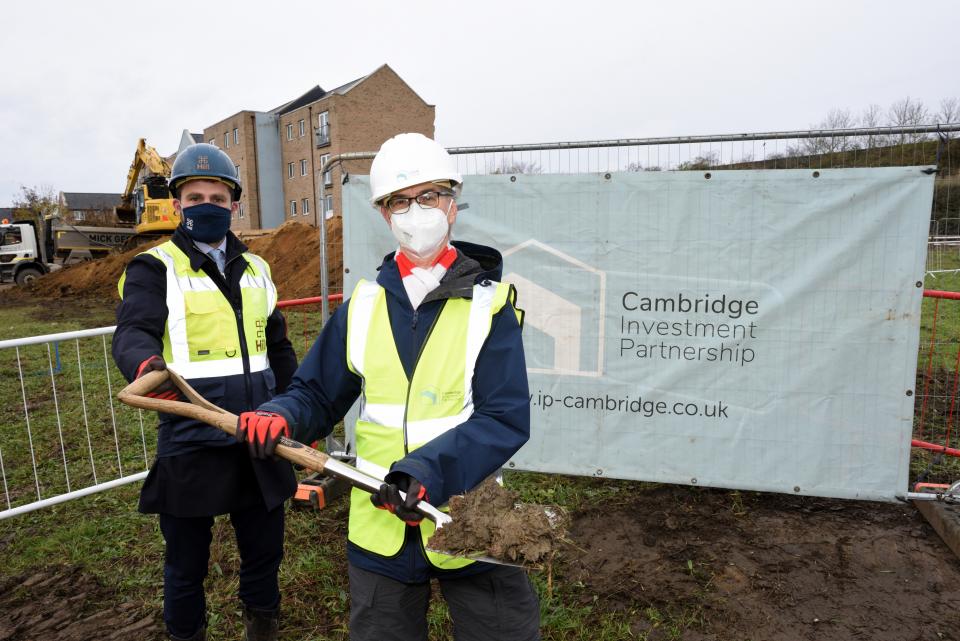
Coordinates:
[433,350]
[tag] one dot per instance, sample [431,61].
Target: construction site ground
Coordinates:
[642,561]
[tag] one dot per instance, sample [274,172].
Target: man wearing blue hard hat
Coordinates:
[205,306]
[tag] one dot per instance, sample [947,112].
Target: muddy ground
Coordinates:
[739,566]
[769,566]
[64,604]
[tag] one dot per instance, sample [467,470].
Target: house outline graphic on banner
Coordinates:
[558,317]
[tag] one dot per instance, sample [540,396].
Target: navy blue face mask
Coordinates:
[206,223]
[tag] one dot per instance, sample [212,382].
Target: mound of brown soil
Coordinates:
[292,250]
[488,519]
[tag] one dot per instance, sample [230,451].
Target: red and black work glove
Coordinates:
[165,390]
[261,431]
[388,498]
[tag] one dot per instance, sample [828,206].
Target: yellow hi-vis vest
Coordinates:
[201,338]
[399,415]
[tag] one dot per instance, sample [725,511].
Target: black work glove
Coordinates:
[388,498]
[166,390]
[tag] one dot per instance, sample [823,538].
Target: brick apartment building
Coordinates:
[279,153]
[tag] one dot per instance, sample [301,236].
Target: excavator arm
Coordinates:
[146,201]
[145,158]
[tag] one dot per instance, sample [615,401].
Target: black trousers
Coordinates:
[260,541]
[499,605]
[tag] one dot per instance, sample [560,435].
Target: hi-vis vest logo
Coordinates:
[566,318]
[203,163]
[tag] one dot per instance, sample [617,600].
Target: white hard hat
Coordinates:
[410,159]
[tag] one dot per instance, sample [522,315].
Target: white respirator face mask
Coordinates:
[420,231]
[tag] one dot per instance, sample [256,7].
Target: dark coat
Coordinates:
[205,478]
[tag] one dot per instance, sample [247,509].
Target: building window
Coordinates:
[237,167]
[212,141]
[328,207]
[303,167]
[323,129]
[226,140]
[78,216]
[293,208]
[305,206]
[289,170]
[236,136]
[327,175]
[302,127]
[241,210]
[290,131]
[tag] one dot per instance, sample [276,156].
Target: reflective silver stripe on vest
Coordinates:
[361,311]
[477,333]
[176,315]
[382,414]
[429,429]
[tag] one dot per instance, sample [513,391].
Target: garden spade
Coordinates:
[199,408]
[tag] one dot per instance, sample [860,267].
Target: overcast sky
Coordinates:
[80,82]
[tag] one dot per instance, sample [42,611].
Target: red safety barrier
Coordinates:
[315,300]
[939,367]
[296,307]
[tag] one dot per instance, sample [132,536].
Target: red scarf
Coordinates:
[420,281]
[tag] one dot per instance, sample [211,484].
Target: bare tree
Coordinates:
[517,167]
[836,119]
[872,117]
[907,113]
[703,161]
[949,110]
[36,203]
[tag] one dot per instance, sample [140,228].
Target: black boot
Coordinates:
[199,635]
[261,625]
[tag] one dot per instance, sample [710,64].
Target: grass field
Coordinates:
[107,538]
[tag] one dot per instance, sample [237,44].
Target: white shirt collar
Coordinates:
[206,249]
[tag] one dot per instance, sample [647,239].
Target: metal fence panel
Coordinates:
[69,436]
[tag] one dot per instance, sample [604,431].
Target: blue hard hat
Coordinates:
[205,161]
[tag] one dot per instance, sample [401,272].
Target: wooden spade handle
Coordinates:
[199,408]
[135,395]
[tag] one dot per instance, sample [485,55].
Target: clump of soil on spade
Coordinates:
[488,520]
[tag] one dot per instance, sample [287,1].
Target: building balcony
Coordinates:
[322,135]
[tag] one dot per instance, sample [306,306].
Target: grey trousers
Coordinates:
[499,605]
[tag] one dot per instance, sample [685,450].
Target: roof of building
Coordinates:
[316,93]
[312,95]
[196,137]
[90,200]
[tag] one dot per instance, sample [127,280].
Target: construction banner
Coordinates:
[741,329]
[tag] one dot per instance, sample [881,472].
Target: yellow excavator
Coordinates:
[146,201]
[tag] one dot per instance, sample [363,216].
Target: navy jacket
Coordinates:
[323,389]
[141,318]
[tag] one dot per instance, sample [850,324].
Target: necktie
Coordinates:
[219,258]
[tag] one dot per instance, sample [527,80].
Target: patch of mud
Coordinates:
[766,566]
[488,519]
[65,604]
